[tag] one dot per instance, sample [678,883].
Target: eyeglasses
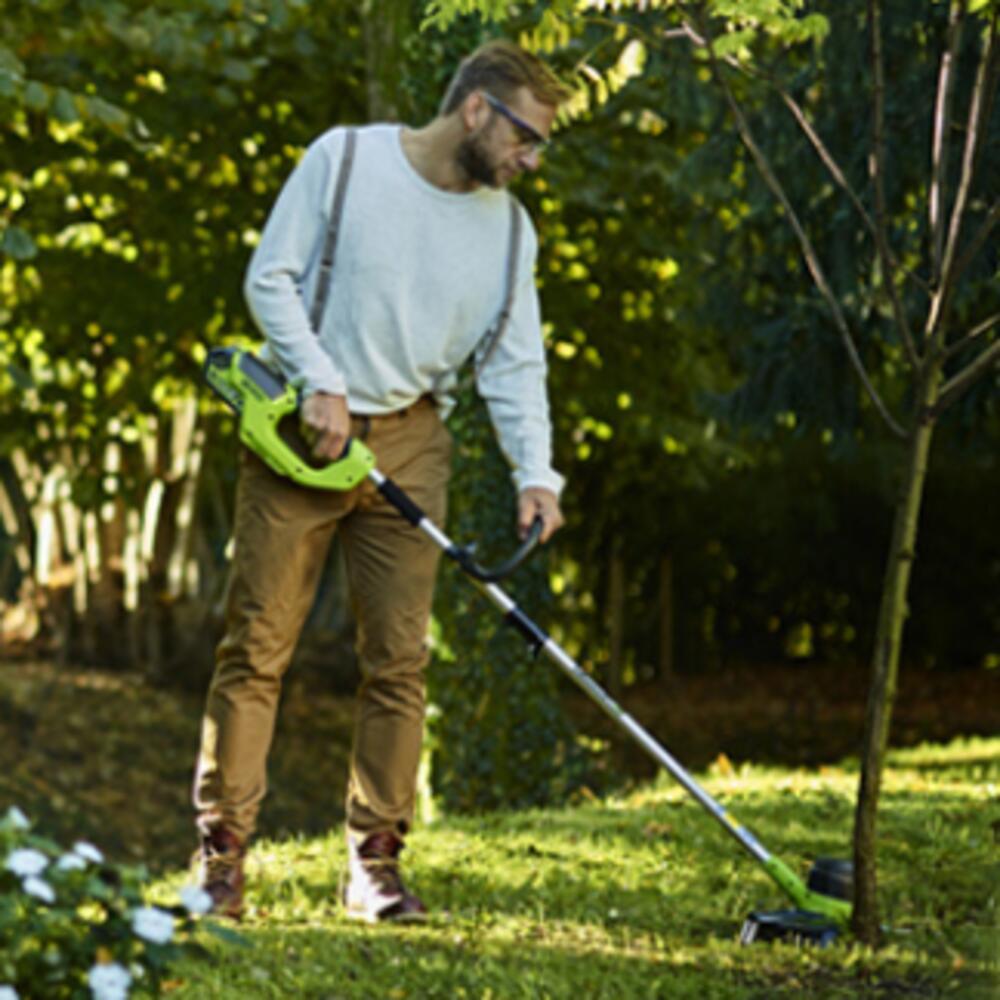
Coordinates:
[528,136]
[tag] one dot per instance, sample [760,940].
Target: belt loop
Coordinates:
[366,426]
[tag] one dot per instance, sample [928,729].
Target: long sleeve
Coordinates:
[513,383]
[277,279]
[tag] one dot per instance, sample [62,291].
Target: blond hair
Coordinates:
[501,68]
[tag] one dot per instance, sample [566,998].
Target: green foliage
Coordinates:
[142,149]
[72,924]
[687,343]
[129,205]
[499,732]
[640,895]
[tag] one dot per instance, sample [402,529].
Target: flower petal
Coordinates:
[39,888]
[26,861]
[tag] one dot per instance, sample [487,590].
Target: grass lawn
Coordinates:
[639,895]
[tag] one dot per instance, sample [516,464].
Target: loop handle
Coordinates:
[463,555]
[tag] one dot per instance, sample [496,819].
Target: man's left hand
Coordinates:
[534,502]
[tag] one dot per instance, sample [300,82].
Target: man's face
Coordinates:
[503,142]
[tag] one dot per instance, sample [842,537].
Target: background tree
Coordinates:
[917,323]
[142,148]
[729,483]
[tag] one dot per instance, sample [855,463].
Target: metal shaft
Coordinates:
[544,643]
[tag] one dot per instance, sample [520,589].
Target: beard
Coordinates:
[474,159]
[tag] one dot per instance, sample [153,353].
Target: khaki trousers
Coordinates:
[282,535]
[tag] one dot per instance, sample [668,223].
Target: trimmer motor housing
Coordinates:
[269,424]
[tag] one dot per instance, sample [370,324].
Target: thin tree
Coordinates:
[944,358]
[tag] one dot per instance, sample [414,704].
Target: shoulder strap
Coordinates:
[332,230]
[492,336]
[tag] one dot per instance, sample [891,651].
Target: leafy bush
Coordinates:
[73,925]
[499,734]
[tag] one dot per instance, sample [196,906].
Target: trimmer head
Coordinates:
[795,926]
[830,877]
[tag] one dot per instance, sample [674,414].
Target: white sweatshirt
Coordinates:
[419,276]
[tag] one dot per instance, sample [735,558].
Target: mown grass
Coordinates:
[640,895]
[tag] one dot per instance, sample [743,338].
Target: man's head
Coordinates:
[506,100]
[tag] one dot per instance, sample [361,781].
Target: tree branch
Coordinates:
[992,77]
[876,170]
[976,331]
[811,134]
[808,251]
[992,218]
[981,98]
[939,146]
[966,378]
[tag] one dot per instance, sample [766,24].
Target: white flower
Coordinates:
[16,819]
[153,924]
[109,981]
[39,888]
[26,861]
[88,852]
[196,901]
[70,863]
[8,993]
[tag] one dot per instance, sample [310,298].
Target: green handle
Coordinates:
[259,431]
[263,400]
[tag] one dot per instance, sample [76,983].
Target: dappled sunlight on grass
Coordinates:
[642,895]
[639,894]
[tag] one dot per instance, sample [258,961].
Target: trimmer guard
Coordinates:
[795,926]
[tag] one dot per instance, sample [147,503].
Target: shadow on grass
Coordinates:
[448,959]
[110,759]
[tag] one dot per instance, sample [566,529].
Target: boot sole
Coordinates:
[367,917]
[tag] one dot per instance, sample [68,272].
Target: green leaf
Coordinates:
[18,244]
[225,934]
[64,107]
[108,114]
[36,96]
[632,60]
[10,64]
[9,84]
[21,378]
[237,70]
[735,43]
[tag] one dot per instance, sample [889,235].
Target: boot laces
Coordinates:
[385,874]
[219,864]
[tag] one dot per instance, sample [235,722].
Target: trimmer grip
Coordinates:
[269,426]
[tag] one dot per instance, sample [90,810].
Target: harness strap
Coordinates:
[332,231]
[490,339]
[492,336]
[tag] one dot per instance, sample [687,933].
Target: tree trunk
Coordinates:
[387,24]
[666,618]
[885,664]
[616,619]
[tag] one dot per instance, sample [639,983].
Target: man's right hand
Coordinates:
[326,424]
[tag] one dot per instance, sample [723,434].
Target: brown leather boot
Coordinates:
[220,871]
[375,890]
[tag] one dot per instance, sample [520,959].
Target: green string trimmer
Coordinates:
[268,424]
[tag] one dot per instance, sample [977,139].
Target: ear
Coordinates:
[473,110]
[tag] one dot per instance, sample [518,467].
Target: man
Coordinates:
[419,274]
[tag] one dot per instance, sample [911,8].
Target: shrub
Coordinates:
[72,925]
[499,734]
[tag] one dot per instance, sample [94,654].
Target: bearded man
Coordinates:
[434,264]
